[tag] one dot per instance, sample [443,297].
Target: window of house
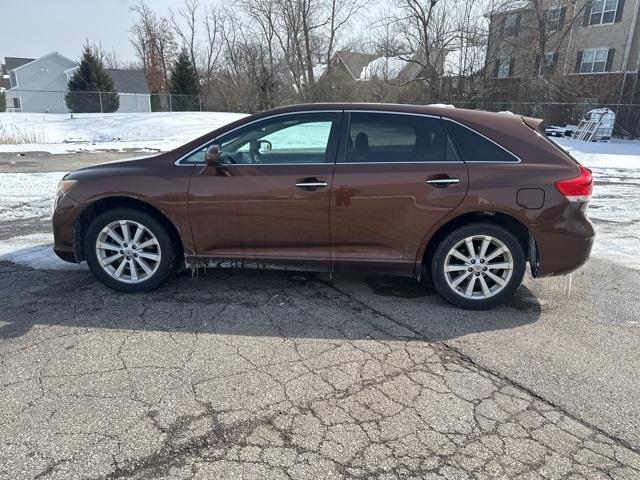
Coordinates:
[473,147]
[384,137]
[546,63]
[13,79]
[511,25]
[503,68]
[603,11]
[594,60]
[553,19]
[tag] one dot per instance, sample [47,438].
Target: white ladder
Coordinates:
[587,129]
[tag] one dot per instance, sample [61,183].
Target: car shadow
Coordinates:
[250,303]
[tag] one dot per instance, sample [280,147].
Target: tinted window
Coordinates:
[383,137]
[287,139]
[476,148]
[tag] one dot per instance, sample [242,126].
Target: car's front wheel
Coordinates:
[128,250]
[478,266]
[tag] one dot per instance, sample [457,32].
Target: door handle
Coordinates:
[311,184]
[442,181]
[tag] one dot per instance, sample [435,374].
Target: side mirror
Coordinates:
[213,156]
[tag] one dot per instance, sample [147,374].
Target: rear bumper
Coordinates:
[563,246]
[65,216]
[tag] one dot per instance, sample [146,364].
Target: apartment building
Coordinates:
[567,48]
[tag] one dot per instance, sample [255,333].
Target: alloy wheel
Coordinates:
[478,267]
[128,251]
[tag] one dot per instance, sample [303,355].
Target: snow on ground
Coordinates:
[59,133]
[615,206]
[27,195]
[614,209]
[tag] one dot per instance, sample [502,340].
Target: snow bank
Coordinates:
[27,195]
[615,206]
[59,133]
[614,154]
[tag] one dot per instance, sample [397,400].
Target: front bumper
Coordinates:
[65,217]
[563,246]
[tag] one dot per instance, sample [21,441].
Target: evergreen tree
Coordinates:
[3,102]
[184,84]
[91,88]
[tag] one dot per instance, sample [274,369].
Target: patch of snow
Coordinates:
[35,251]
[383,67]
[441,105]
[27,195]
[465,61]
[615,204]
[59,133]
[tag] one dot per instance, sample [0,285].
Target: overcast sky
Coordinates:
[32,28]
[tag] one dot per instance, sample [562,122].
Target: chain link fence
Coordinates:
[37,101]
[56,101]
[627,122]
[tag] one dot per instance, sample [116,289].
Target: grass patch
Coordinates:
[15,135]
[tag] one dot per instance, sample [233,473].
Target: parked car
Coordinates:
[465,197]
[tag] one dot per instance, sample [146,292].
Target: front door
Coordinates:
[397,175]
[269,201]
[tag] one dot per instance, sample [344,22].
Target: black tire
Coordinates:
[438,275]
[165,247]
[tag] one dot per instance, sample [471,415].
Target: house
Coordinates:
[591,47]
[39,85]
[358,66]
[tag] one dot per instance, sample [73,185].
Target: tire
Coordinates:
[152,256]
[500,284]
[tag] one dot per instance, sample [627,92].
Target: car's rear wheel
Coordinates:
[478,266]
[128,250]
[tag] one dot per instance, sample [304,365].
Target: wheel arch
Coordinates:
[510,223]
[109,203]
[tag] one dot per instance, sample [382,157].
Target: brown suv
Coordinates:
[467,197]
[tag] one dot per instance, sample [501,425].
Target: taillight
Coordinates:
[577,189]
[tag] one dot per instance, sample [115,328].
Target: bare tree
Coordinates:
[155,46]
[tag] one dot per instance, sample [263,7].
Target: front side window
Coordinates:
[473,147]
[384,137]
[13,79]
[547,64]
[290,139]
[603,11]
[511,25]
[504,67]
[553,19]
[594,61]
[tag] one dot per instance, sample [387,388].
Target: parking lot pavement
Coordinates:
[279,375]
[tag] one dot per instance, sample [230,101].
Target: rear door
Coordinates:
[397,175]
[269,201]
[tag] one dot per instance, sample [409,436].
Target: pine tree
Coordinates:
[184,84]
[3,102]
[91,88]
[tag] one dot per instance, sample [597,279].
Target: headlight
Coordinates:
[64,186]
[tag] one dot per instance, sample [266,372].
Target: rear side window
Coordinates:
[475,148]
[384,137]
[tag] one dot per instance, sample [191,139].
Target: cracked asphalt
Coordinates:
[234,374]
